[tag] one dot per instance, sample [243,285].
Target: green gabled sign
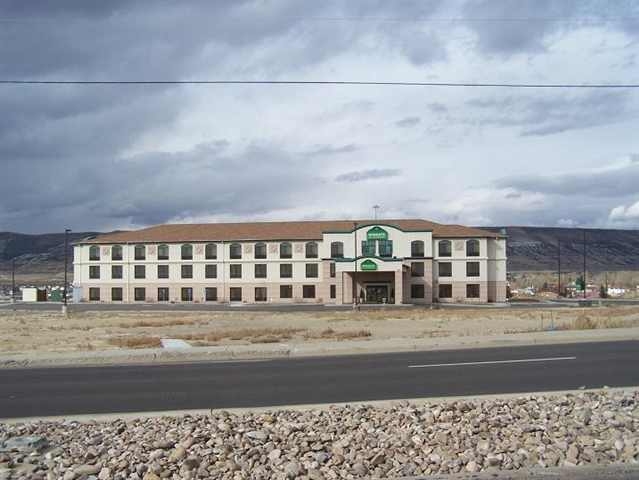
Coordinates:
[368,266]
[377,233]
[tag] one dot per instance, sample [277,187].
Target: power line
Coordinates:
[320,82]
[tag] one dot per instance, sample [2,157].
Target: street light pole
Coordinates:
[355,272]
[558,268]
[66,256]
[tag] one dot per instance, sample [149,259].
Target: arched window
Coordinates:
[116,252]
[472,248]
[445,248]
[417,248]
[187,251]
[140,252]
[163,252]
[94,252]
[286,250]
[260,250]
[337,249]
[235,251]
[210,251]
[311,250]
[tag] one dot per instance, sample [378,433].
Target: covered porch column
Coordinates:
[399,286]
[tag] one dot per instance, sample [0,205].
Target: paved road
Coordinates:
[65,391]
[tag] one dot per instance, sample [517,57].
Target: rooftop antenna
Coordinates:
[376,208]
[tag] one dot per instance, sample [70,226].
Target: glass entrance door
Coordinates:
[377,294]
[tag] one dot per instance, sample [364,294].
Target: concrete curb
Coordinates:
[599,472]
[105,417]
[256,352]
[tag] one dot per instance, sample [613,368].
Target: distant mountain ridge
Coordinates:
[528,249]
[535,248]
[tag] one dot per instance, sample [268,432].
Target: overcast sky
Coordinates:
[106,157]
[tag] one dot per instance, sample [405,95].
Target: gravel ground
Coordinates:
[589,428]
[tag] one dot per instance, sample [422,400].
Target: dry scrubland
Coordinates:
[23,331]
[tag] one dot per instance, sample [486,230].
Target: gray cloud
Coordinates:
[408,122]
[323,150]
[552,114]
[371,174]
[611,182]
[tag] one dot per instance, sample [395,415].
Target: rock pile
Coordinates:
[338,442]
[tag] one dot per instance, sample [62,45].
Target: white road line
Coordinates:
[523,360]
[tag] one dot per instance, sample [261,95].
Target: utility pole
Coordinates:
[355,295]
[66,256]
[558,267]
[13,280]
[584,232]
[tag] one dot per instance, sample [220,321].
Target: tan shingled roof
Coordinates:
[304,230]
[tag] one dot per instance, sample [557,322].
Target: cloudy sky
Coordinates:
[99,157]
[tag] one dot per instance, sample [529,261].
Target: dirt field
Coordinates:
[23,331]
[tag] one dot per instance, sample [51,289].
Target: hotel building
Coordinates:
[384,261]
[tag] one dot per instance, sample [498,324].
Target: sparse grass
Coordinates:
[136,342]
[330,334]
[253,335]
[158,323]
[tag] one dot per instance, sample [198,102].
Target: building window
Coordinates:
[333,291]
[286,291]
[286,250]
[235,251]
[139,271]
[311,270]
[385,248]
[116,294]
[472,248]
[210,271]
[187,294]
[445,269]
[187,252]
[94,252]
[472,269]
[210,251]
[163,252]
[116,272]
[337,249]
[235,270]
[368,248]
[416,248]
[308,291]
[163,271]
[311,250]
[445,248]
[116,252]
[94,271]
[139,294]
[94,294]
[417,269]
[446,291]
[210,294]
[235,294]
[163,294]
[186,271]
[472,290]
[286,270]
[260,294]
[417,290]
[260,250]
[260,270]
[332,270]
[139,252]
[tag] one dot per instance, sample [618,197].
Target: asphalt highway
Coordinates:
[119,389]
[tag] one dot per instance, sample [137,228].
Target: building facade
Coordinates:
[331,262]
